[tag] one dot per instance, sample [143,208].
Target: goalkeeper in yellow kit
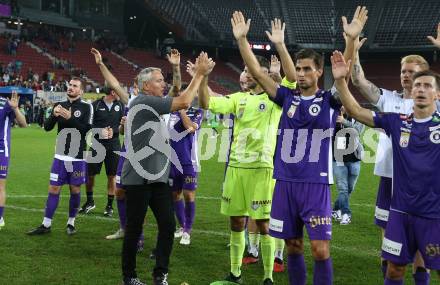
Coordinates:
[248,184]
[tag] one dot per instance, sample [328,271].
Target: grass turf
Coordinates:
[87,258]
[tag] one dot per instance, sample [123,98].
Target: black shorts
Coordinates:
[110,161]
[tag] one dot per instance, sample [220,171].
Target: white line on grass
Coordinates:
[103,219]
[371,252]
[197,197]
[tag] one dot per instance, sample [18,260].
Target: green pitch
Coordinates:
[87,258]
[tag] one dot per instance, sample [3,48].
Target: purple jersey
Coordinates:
[416,155]
[304,150]
[7,116]
[185,147]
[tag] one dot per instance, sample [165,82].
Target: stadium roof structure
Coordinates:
[392,24]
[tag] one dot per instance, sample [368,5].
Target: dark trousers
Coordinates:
[138,198]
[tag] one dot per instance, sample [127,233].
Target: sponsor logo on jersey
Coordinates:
[432,250]
[319,221]
[404,139]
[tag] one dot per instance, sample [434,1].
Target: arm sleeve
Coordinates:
[385,121]
[159,104]
[286,83]
[10,112]
[282,93]
[223,105]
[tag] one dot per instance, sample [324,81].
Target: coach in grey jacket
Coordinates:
[146,169]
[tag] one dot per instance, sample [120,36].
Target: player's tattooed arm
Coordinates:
[340,70]
[174,60]
[110,78]
[367,89]
[204,66]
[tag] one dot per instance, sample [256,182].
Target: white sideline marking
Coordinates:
[371,252]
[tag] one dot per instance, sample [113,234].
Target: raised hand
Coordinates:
[436,41]
[13,102]
[204,65]
[359,43]
[97,54]
[275,65]
[174,57]
[354,29]
[240,27]
[339,66]
[190,68]
[277,36]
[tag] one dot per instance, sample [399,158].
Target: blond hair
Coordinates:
[417,59]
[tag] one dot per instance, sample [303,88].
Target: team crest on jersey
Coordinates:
[262,107]
[314,109]
[435,137]
[404,139]
[117,108]
[77,113]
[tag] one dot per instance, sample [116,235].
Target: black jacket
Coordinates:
[81,120]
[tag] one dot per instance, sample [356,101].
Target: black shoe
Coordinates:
[161,279]
[231,278]
[87,207]
[41,230]
[108,212]
[132,281]
[70,230]
[267,281]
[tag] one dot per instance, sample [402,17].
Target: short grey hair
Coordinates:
[145,75]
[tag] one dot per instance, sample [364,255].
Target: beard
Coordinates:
[304,86]
[251,85]
[72,95]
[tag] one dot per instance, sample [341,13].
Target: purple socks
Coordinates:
[393,282]
[74,202]
[179,208]
[323,272]
[296,269]
[51,205]
[190,209]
